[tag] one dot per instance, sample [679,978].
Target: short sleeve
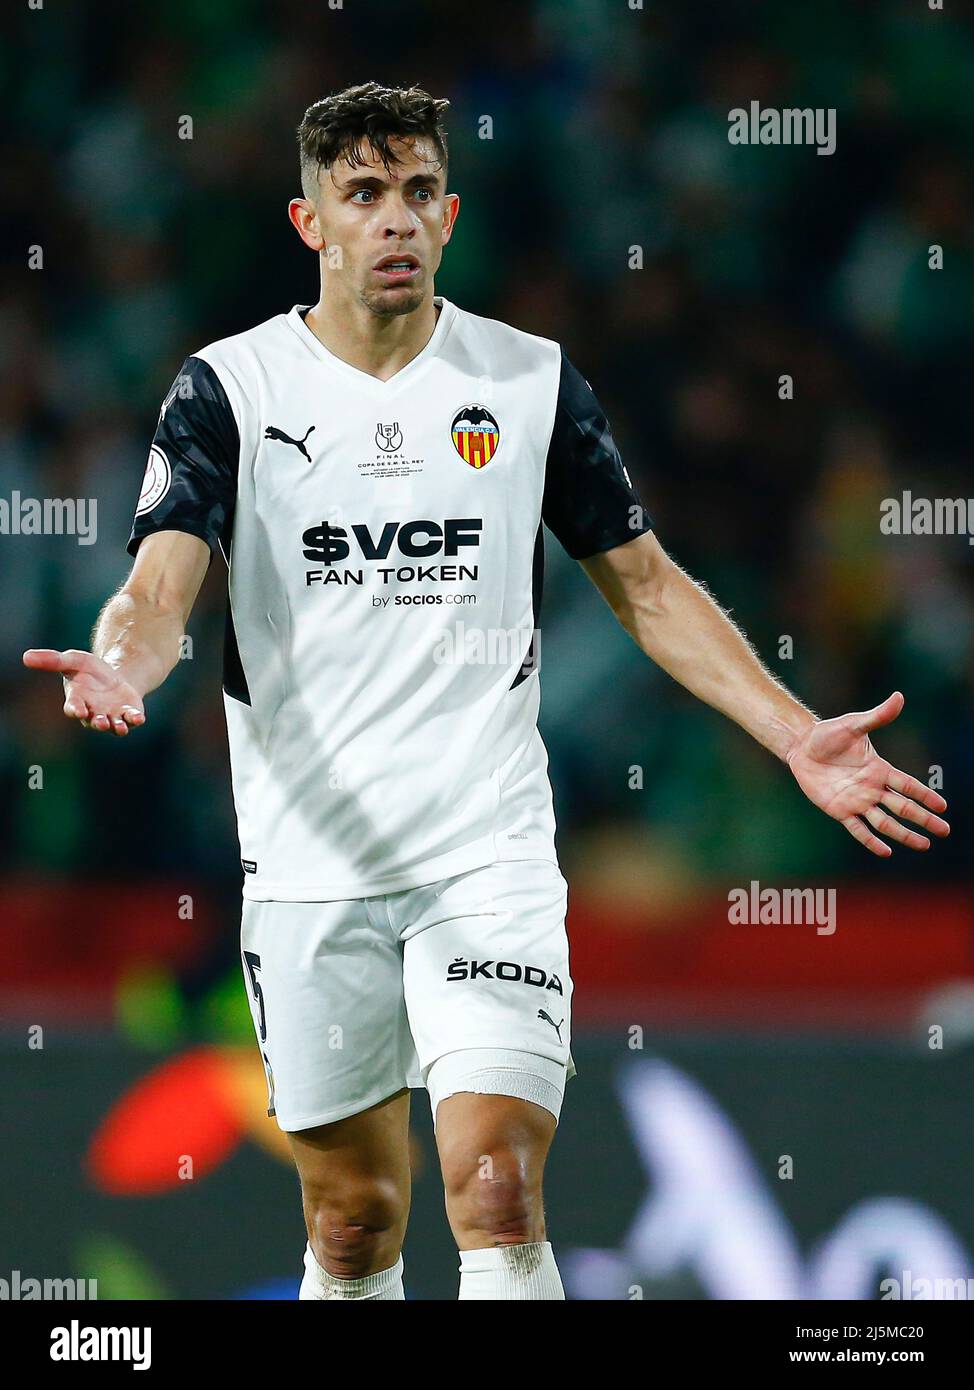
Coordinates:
[589,501]
[191,475]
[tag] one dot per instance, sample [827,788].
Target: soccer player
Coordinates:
[376,469]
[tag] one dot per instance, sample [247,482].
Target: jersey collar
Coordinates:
[422,359]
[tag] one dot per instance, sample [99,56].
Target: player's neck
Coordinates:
[369,342]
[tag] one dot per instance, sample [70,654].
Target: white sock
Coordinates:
[318,1283]
[523,1272]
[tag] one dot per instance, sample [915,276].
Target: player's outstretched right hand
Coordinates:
[94,692]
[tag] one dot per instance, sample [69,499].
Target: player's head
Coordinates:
[373,173]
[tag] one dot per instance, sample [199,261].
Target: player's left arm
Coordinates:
[676,623]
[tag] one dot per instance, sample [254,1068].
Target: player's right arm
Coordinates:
[183,514]
[136,641]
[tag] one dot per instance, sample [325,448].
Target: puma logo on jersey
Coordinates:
[548,1019]
[272,432]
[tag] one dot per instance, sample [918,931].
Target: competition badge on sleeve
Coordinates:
[157,480]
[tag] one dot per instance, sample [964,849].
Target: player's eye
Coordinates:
[425,195]
[362,195]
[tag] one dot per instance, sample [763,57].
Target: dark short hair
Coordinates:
[347,124]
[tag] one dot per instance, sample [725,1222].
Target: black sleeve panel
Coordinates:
[589,502]
[191,477]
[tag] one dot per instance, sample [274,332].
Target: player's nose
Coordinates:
[399,228]
[400,222]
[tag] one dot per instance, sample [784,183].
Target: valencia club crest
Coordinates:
[476,435]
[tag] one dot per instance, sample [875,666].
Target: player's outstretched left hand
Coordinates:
[837,767]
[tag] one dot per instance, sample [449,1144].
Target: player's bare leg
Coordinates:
[355,1189]
[492,1153]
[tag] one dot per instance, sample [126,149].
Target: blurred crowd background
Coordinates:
[608,133]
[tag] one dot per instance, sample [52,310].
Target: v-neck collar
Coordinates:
[444,323]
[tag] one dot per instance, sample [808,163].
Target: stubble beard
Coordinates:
[391,304]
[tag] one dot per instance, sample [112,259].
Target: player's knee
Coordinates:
[495,1196]
[352,1233]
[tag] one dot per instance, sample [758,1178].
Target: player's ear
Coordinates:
[304,217]
[451,207]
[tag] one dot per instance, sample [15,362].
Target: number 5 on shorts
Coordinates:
[252,961]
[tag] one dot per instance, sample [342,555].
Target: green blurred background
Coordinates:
[608,133]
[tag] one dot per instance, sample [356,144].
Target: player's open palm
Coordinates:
[837,767]
[93,691]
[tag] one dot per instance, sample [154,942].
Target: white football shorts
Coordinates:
[460,985]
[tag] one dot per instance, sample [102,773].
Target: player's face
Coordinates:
[390,224]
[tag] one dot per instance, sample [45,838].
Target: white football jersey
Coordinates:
[385,558]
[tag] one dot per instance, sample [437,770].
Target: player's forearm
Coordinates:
[139,636]
[676,623]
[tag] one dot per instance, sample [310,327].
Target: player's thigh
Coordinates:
[493,1139]
[324,982]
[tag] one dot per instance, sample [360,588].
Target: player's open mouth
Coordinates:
[398,269]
